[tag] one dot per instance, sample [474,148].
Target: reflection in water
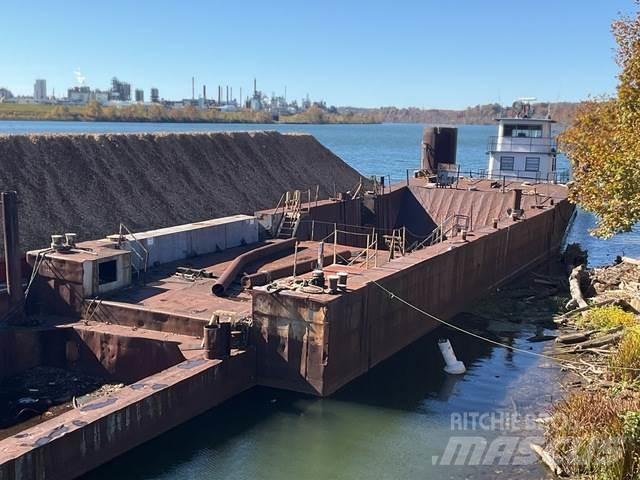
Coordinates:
[388,423]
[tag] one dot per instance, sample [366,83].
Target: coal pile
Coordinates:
[88,184]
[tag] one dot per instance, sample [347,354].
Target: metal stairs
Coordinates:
[395,243]
[292,213]
[451,226]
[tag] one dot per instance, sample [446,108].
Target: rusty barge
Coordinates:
[295,297]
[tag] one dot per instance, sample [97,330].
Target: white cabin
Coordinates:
[525,149]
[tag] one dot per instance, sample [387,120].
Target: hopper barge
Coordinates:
[295,297]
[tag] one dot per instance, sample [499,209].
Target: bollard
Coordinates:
[342,280]
[209,335]
[495,223]
[464,235]
[333,283]
[217,341]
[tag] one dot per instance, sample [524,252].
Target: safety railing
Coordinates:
[142,257]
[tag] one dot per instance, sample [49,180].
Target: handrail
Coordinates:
[144,259]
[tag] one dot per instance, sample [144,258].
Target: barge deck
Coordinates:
[287,333]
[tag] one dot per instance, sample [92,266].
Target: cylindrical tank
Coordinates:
[439,146]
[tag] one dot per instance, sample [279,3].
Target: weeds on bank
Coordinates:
[595,434]
[625,361]
[607,317]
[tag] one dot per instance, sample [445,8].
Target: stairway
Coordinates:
[292,212]
[289,225]
[395,243]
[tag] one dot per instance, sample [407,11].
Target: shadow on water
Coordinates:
[388,419]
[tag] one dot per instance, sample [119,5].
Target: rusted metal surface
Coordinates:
[232,271]
[13,261]
[82,439]
[307,261]
[317,343]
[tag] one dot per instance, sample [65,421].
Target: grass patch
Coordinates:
[627,357]
[608,316]
[596,434]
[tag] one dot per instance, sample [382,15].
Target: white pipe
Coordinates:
[453,365]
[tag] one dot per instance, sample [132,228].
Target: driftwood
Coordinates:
[547,459]
[570,338]
[563,318]
[600,341]
[632,261]
[542,281]
[574,287]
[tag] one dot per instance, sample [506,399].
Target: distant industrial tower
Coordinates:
[139,95]
[120,90]
[155,95]
[40,90]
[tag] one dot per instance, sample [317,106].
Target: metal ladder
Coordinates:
[291,215]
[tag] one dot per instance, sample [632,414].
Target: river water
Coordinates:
[395,421]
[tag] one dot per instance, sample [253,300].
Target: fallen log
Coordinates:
[632,261]
[547,459]
[600,341]
[571,338]
[574,286]
[582,309]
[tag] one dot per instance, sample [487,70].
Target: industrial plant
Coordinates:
[121,93]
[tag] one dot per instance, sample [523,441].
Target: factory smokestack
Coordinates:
[227,93]
[193,88]
[219,94]
[204,92]
[255,88]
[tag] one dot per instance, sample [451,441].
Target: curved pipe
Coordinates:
[231,272]
[303,266]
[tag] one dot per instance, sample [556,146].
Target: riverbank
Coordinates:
[594,430]
[95,112]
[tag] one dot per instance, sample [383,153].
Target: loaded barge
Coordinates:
[306,296]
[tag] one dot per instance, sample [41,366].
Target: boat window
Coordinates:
[530,131]
[506,163]
[532,164]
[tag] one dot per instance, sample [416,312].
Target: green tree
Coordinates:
[603,143]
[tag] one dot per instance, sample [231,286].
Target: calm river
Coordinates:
[392,423]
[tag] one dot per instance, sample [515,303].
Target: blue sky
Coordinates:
[423,53]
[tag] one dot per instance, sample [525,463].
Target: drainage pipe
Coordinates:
[235,268]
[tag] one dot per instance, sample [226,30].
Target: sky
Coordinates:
[421,53]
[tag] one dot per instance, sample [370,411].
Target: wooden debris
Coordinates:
[547,459]
[570,338]
[600,341]
[574,287]
[632,261]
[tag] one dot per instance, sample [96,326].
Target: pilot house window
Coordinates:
[506,163]
[532,164]
[530,131]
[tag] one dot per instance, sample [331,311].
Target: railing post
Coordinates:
[335,242]
[366,261]
[313,226]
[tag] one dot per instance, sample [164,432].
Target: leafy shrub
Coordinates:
[608,316]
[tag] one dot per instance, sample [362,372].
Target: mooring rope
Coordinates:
[488,340]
